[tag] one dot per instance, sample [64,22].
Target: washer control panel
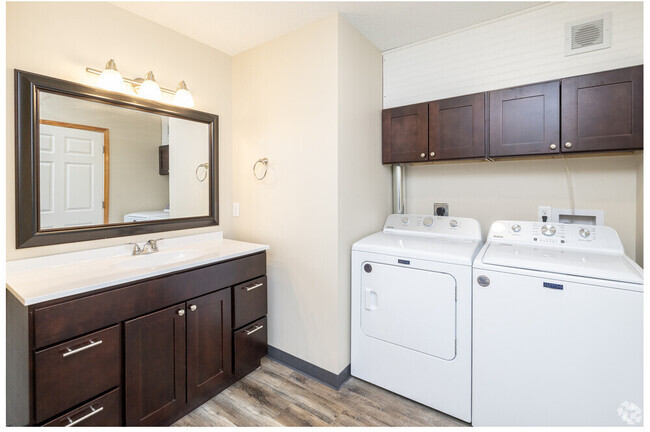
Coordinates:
[433,225]
[556,234]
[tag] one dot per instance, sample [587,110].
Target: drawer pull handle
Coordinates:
[92,412]
[85,347]
[250,332]
[251,288]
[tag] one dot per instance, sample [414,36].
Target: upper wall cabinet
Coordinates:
[603,111]
[404,134]
[457,128]
[525,120]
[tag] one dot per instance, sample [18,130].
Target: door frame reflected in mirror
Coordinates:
[27,87]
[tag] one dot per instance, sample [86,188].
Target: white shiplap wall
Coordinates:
[522,48]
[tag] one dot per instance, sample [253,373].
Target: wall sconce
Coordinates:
[147,87]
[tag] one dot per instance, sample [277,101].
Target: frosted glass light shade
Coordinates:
[149,89]
[183,97]
[111,78]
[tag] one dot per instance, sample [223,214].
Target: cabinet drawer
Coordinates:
[72,372]
[250,347]
[103,411]
[249,302]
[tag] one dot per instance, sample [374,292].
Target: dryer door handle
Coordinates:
[369,299]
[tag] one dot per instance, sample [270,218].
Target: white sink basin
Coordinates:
[158,259]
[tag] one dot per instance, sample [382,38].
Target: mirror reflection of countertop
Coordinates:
[41,279]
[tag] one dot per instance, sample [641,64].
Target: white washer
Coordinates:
[411,309]
[558,328]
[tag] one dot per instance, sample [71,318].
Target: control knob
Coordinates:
[453,223]
[516,228]
[428,221]
[405,220]
[584,232]
[548,230]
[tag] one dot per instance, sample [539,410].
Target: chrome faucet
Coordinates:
[152,245]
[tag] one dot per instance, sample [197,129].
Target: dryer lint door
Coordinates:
[412,308]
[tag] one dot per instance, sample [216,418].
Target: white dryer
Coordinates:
[558,328]
[411,309]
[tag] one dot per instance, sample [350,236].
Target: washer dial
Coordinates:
[584,232]
[428,221]
[548,230]
[516,228]
[453,223]
[405,220]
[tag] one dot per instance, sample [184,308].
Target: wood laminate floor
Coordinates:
[275,395]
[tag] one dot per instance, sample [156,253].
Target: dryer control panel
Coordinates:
[425,225]
[574,236]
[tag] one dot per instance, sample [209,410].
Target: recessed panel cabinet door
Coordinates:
[603,111]
[457,128]
[525,120]
[405,135]
[155,366]
[209,344]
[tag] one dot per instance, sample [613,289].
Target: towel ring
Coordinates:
[264,161]
[205,174]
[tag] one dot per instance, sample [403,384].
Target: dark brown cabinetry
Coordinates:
[144,353]
[405,136]
[249,322]
[525,120]
[457,128]
[154,366]
[603,111]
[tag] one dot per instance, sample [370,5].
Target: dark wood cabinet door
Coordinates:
[250,347]
[525,120]
[155,366]
[457,128]
[209,345]
[405,134]
[603,111]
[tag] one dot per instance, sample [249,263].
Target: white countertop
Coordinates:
[36,280]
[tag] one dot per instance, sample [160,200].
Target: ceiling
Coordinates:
[234,27]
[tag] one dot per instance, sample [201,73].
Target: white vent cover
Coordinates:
[588,34]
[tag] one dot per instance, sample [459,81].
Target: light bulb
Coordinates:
[111,78]
[149,89]
[183,97]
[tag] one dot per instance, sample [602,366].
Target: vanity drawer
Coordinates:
[72,372]
[250,347]
[103,411]
[249,302]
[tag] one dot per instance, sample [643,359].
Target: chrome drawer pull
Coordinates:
[85,347]
[92,412]
[251,288]
[248,333]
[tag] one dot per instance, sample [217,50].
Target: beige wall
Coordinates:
[60,39]
[310,101]
[134,136]
[525,48]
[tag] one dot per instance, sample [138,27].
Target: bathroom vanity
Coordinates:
[105,338]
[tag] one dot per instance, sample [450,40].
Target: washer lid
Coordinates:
[442,249]
[614,267]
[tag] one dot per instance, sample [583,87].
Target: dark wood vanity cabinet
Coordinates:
[139,354]
[603,111]
[525,120]
[405,136]
[457,128]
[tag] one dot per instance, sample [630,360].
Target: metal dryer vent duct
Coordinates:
[399,189]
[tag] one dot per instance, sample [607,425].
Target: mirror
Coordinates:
[96,164]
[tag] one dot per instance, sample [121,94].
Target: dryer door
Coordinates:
[409,307]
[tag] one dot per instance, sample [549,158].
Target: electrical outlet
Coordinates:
[235,209]
[544,213]
[441,209]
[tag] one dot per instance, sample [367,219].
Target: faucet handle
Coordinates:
[154,243]
[136,248]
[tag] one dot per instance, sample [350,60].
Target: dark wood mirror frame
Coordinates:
[28,233]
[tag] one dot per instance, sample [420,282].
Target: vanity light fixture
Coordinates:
[183,97]
[147,87]
[111,78]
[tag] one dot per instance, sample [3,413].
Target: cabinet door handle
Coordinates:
[252,287]
[250,332]
[192,308]
[85,347]
[92,412]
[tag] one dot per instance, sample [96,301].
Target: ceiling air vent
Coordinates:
[588,34]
